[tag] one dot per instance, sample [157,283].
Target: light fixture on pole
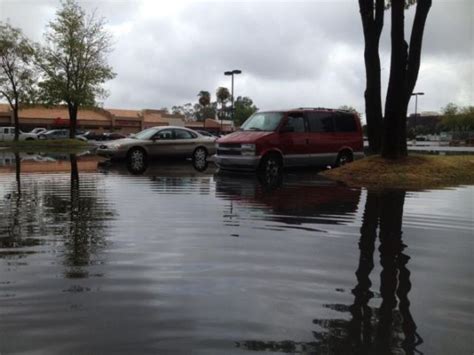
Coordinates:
[232,73]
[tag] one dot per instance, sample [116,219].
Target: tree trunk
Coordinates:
[404,70]
[372,23]
[16,122]
[72,120]
[393,144]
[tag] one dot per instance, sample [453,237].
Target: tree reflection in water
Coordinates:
[86,223]
[389,328]
[38,211]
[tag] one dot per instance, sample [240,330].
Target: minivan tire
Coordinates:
[271,164]
[344,157]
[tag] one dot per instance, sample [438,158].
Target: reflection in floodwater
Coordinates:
[190,262]
[286,200]
[42,207]
[389,328]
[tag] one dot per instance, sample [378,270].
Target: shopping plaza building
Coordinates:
[104,120]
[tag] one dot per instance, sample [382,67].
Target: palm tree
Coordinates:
[204,98]
[223,96]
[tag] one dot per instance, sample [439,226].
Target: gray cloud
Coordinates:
[292,54]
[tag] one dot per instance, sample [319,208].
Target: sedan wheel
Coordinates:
[137,160]
[200,158]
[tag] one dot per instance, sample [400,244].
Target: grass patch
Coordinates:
[413,172]
[56,143]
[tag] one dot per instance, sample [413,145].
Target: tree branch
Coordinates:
[414,55]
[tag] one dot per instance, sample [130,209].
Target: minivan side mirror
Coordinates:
[287,129]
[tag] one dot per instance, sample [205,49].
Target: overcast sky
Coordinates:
[292,53]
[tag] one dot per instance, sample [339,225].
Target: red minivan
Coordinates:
[271,140]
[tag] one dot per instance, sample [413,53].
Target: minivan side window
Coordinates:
[345,122]
[296,121]
[320,122]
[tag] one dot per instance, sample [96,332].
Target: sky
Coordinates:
[291,53]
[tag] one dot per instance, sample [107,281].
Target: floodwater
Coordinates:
[96,260]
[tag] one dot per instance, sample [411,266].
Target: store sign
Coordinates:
[61,122]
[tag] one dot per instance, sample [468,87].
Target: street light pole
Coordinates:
[232,73]
[416,94]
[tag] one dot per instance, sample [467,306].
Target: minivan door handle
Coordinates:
[307,141]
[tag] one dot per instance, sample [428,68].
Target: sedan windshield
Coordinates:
[262,121]
[146,134]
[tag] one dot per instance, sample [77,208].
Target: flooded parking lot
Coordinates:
[95,259]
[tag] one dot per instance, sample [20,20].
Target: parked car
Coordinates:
[103,136]
[8,134]
[60,134]
[114,136]
[298,137]
[205,133]
[38,130]
[165,141]
[94,136]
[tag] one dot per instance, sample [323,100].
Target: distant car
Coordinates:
[8,134]
[205,133]
[114,136]
[104,136]
[38,130]
[60,134]
[164,141]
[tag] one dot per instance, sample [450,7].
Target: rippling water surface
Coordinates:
[180,261]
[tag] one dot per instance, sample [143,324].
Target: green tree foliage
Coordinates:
[244,108]
[17,74]
[187,110]
[450,109]
[204,108]
[73,61]
[223,97]
[348,109]
[204,98]
[458,119]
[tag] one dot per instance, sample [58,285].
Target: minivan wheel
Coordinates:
[270,166]
[137,160]
[200,157]
[343,158]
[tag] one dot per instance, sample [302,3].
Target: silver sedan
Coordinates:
[165,141]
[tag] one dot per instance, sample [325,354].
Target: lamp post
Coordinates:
[416,94]
[232,73]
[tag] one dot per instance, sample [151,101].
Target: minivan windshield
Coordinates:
[262,121]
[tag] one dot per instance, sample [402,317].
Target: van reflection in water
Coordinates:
[387,329]
[287,201]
